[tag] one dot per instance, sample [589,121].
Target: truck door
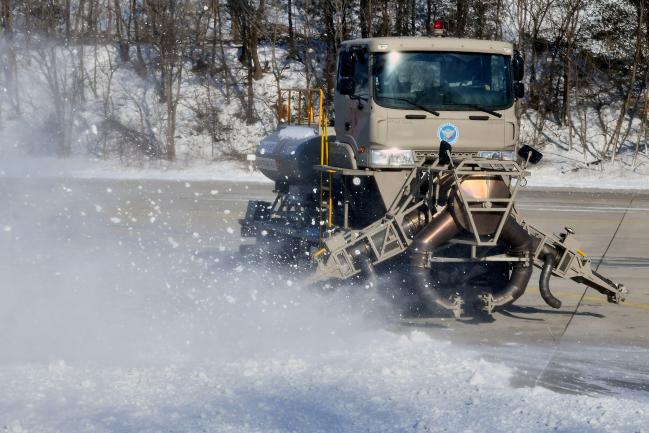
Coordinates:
[351,99]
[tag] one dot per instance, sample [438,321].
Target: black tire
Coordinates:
[467,280]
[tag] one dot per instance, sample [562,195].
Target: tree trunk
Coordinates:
[5,15]
[385,19]
[498,32]
[12,70]
[429,17]
[365,14]
[254,39]
[413,17]
[291,35]
[480,20]
[399,19]
[250,107]
[171,102]
[613,144]
[307,35]
[122,42]
[141,65]
[461,13]
[67,21]
[332,47]
[78,19]
[224,63]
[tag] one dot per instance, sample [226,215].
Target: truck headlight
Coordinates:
[507,155]
[391,157]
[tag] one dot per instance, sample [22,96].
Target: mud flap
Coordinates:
[257,210]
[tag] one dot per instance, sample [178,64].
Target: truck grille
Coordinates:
[420,155]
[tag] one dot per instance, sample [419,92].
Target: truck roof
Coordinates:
[432,44]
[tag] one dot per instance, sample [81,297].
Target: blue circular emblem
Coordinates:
[448,132]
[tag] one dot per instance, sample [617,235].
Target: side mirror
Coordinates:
[346,86]
[518,66]
[519,90]
[529,152]
[346,61]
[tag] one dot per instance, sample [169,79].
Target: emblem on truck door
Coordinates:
[448,132]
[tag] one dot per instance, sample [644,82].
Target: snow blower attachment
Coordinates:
[406,184]
[472,205]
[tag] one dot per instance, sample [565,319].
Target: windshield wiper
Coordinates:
[483,109]
[413,103]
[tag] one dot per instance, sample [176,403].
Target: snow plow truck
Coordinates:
[419,177]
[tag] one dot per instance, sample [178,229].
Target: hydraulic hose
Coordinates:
[544,281]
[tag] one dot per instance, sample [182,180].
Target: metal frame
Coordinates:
[386,237]
[506,171]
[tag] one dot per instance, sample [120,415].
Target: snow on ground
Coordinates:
[120,313]
[385,383]
[578,162]
[560,172]
[85,168]
[210,171]
[567,169]
[555,171]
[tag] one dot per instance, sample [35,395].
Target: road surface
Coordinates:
[587,346]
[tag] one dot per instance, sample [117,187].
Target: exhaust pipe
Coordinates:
[440,230]
[520,244]
[549,257]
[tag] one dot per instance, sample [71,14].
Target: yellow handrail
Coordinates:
[324,160]
[296,106]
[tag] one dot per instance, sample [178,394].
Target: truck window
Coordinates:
[442,80]
[353,63]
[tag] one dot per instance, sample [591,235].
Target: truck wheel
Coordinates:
[467,280]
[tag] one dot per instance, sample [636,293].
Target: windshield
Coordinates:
[442,80]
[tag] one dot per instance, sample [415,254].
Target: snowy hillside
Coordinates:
[211,93]
[130,101]
[123,110]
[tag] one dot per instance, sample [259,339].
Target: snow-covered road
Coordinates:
[379,383]
[122,309]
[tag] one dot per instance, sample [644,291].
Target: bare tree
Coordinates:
[57,65]
[365,14]
[11,66]
[614,142]
[461,14]
[248,19]
[168,37]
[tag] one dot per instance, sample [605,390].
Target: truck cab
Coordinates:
[397,98]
